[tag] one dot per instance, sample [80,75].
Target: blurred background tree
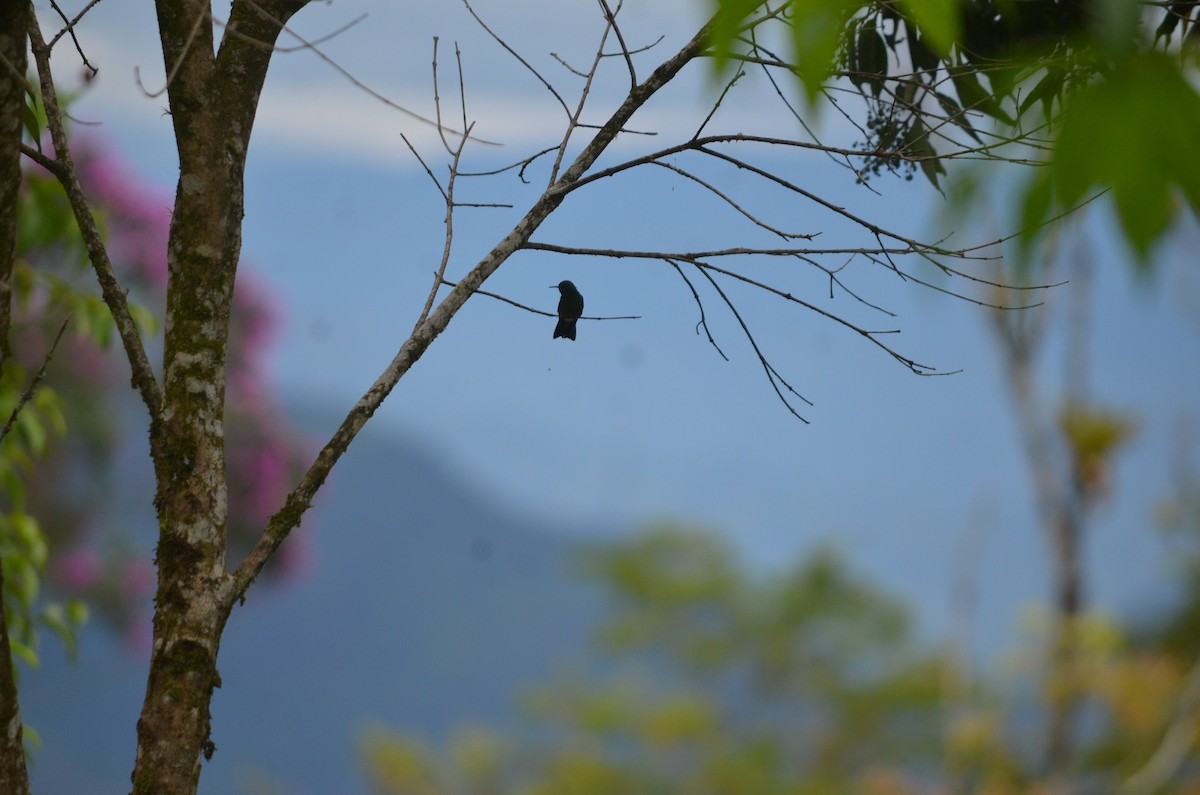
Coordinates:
[718,680]
[74,463]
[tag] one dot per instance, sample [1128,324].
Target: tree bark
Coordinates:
[213,99]
[14,16]
[14,25]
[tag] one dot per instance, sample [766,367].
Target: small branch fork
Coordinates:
[63,168]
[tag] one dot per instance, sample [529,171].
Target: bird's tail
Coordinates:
[565,328]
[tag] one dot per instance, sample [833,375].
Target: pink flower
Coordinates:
[79,569]
[137,577]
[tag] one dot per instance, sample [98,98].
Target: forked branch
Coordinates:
[63,168]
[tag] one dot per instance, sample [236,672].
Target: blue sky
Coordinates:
[642,420]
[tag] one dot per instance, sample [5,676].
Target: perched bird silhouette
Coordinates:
[570,307]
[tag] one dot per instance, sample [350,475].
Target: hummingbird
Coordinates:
[570,307]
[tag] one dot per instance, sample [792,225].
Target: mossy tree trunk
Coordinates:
[213,99]
[14,777]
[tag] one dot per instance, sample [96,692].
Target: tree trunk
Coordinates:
[213,99]
[14,16]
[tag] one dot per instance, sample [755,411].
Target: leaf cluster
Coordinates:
[1102,103]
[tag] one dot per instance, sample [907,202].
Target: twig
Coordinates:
[72,23]
[611,16]
[63,168]
[428,170]
[697,260]
[734,205]
[521,164]
[333,34]
[573,120]
[519,305]
[203,14]
[522,61]
[361,86]
[702,323]
[729,84]
[33,385]
[70,28]
[447,194]
[773,376]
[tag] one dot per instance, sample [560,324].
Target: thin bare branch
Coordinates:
[522,61]
[733,204]
[773,376]
[573,122]
[702,323]
[34,383]
[204,14]
[519,305]
[63,168]
[611,16]
[520,164]
[729,84]
[635,51]
[333,34]
[70,28]
[428,171]
[448,242]
[698,260]
[361,86]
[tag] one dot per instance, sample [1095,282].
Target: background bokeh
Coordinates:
[531,444]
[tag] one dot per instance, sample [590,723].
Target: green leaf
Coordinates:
[78,612]
[1036,202]
[955,114]
[21,577]
[25,653]
[1046,90]
[917,144]
[143,318]
[974,96]
[26,530]
[55,617]
[32,432]
[33,126]
[1134,134]
[871,58]
[49,406]
[940,22]
[918,51]
[817,30]
[727,19]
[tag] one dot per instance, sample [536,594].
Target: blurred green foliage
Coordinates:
[723,682]
[44,220]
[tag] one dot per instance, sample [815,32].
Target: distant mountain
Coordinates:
[425,608]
